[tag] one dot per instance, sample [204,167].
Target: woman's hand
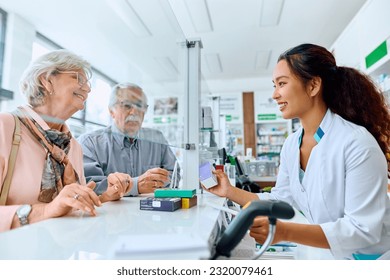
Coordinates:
[73,196]
[260,228]
[117,185]
[223,187]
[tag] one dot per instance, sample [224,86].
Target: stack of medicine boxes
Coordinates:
[169,200]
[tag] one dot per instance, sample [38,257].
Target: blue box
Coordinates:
[160,204]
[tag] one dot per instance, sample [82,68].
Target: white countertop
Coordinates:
[79,236]
[122,231]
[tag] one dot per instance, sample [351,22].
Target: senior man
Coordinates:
[124,146]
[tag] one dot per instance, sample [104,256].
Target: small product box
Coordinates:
[169,204]
[189,202]
[206,176]
[168,192]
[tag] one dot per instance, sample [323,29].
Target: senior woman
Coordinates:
[48,178]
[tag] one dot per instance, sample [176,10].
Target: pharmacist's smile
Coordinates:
[282,105]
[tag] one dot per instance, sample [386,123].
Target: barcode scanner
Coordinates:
[236,230]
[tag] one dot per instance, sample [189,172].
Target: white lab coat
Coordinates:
[344,188]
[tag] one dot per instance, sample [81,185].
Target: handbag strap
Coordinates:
[11,162]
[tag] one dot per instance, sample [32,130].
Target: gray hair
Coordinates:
[49,64]
[115,89]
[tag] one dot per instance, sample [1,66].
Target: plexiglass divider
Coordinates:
[172,84]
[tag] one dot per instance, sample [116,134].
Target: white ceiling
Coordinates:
[238,54]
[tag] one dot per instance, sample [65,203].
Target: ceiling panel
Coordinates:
[240,52]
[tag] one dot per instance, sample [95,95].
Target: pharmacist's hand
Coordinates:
[152,179]
[260,228]
[117,185]
[73,196]
[223,186]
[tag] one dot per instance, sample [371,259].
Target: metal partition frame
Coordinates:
[191,117]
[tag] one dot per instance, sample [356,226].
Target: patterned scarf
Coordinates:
[58,171]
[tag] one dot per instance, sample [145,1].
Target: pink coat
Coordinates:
[26,180]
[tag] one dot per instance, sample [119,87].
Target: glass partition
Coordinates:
[152,52]
[160,69]
[209,132]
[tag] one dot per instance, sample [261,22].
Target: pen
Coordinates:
[174,176]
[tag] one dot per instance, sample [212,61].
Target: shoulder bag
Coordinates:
[11,162]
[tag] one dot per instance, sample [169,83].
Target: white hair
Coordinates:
[115,90]
[46,65]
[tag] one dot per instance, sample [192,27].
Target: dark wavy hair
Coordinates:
[346,91]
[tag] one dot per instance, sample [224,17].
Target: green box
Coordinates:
[168,192]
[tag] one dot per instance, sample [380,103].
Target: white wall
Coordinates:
[369,28]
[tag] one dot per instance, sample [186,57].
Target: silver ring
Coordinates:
[76,196]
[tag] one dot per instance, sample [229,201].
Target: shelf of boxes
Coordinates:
[270,139]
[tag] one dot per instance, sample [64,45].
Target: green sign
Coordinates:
[162,120]
[230,118]
[157,120]
[376,54]
[266,117]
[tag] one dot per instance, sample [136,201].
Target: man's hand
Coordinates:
[152,179]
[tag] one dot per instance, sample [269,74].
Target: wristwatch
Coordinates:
[22,213]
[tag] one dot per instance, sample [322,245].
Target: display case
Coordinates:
[270,139]
[296,124]
[208,149]
[234,139]
[231,109]
[271,132]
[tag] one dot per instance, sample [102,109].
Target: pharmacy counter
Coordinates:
[122,231]
[119,225]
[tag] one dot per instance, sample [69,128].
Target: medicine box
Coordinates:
[168,192]
[189,202]
[160,204]
[207,178]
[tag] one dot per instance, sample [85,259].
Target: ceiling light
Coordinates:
[271,11]
[213,62]
[262,59]
[126,12]
[200,15]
